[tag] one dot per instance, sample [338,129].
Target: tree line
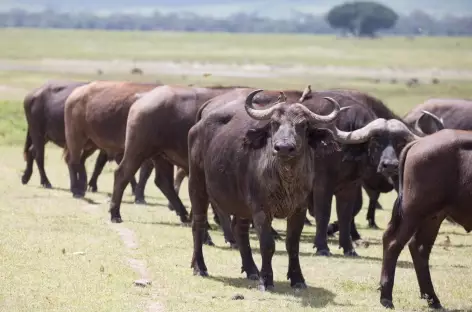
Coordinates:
[415,23]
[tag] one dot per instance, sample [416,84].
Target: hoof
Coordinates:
[233,246]
[209,242]
[171,208]
[435,305]
[186,224]
[373,226]
[387,303]
[92,188]
[378,206]
[324,253]
[253,277]
[199,272]
[140,201]
[24,180]
[185,219]
[116,220]
[78,195]
[299,285]
[351,253]
[47,185]
[262,287]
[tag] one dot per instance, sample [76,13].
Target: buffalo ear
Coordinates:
[322,140]
[256,138]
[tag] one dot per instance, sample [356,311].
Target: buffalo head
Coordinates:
[385,139]
[289,126]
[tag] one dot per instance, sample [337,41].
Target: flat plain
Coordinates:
[62,254]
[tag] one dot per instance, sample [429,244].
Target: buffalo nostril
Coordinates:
[291,149]
[277,148]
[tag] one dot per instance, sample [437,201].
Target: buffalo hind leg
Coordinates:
[164,181]
[420,248]
[292,244]
[132,181]
[200,201]
[240,228]
[97,170]
[226,226]
[123,174]
[28,154]
[263,227]
[398,233]
[39,144]
[144,174]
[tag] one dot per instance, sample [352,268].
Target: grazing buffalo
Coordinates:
[44,111]
[434,183]
[96,116]
[256,164]
[342,173]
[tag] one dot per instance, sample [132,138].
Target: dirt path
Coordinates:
[227,70]
[130,241]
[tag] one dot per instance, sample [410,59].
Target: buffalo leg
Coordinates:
[394,240]
[226,226]
[39,144]
[179,178]
[29,158]
[345,202]
[132,181]
[334,227]
[99,165]
[200,201]
[240,228]
[123,174]
[144,174]
[216,216]
[320,204]
[373,201]
[263,227]
[164,174]
[295,225]
[420,248]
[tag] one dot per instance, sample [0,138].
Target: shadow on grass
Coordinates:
[313,297]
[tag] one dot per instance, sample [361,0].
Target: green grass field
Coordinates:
[62,254]
[237,48]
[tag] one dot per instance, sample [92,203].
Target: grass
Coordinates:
[37,224]
[42,229]
[397,52]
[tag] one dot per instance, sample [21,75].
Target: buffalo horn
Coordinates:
[260,114]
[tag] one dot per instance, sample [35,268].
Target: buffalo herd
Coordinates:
[254,155]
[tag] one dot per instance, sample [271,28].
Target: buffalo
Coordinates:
[44,112]
[362,157]
[434,183]
[256,164]
[95,117]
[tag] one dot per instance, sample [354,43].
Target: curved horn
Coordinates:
[305,93]
[439,123]
[360,135]
[260,114]
[324,118]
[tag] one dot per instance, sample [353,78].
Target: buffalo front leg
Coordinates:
[226,226]
[321,205]
[295,225]
[179,178]
[373,202]
[240,228]
[420,248]
[144,174]
[164,181]
[200,201]
[263,227]
[345,202]
[97,170]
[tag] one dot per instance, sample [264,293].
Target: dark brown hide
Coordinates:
[254,165]
[435,183]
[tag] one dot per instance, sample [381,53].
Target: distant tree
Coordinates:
[361,18]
